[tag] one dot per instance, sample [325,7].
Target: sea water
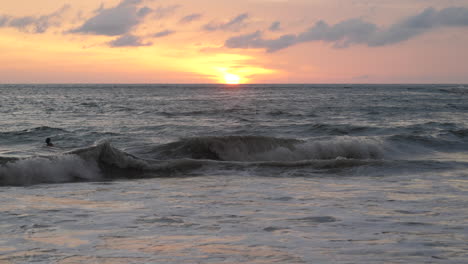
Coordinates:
[234,174]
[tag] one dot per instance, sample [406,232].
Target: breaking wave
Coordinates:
[255,148]
[104,162]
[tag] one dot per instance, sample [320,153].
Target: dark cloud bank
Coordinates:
[358,31]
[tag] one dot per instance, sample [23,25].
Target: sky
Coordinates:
[242,41]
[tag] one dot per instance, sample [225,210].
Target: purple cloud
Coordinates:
[114,21]
[232,25]
[275,26]
[163,33]
[357,31]
[162,12]
[190,18]
[34,24]
[128,41]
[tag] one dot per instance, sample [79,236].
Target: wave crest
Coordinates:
[90,164]
[255,148]
[104,162]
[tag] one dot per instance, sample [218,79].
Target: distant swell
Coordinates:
[334,129]
[460,133]
[35,130]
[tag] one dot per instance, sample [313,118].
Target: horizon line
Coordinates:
[240,84]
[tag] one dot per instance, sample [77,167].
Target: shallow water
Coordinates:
[231,174]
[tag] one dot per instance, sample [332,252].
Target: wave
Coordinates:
[257,148]
[195,113]
[462,133]
[36,134]
[27,142]
[344,129]
[67,168]
[103,162]
[97,163]
[41,130]
[283,113]
[455,90]
[441,142]
[80,165]
[349,129]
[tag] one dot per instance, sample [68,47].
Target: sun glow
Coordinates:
[230,78]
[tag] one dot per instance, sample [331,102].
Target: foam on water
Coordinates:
[66,168]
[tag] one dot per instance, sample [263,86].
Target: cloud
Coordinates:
[275,26]
[162,12]
[362,77]
[163,33]
[416,25]
[357,31]
[144,11]
[114,21]
[4,20]
[246,41]
[232,25]
[343,34]
[190,18]
[255,40]
[34,24]
[128,40]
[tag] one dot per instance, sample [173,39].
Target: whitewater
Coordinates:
[233,173]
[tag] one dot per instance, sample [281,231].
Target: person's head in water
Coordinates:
[48,141]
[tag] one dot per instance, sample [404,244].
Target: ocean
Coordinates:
[233,173]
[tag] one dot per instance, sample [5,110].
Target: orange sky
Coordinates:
[250,41]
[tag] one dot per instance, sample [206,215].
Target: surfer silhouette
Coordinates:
[48,142]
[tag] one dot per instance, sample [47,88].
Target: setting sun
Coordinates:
[230,78]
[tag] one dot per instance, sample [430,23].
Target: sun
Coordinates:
[230,78]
